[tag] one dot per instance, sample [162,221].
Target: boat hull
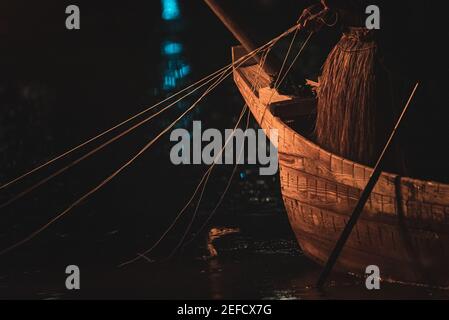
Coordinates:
[404,228]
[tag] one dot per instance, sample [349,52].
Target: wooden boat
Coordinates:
[404,227]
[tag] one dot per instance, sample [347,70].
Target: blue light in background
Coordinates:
[172,48]
[176,68]
[176,71]
[184,70]
[170,9]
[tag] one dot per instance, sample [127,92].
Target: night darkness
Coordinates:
[59,88]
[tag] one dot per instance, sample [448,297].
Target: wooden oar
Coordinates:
[363,199]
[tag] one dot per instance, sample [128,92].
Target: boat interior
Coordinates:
[297,112]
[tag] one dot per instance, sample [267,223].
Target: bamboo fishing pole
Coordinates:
[271,64]
[363,198]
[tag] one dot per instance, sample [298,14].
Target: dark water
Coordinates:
[259,264]
[58,88]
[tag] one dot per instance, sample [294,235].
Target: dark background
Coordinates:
[60,87]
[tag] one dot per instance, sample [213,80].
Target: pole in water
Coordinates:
[363,199]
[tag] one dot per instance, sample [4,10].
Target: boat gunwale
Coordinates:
[419,219]
[405,181]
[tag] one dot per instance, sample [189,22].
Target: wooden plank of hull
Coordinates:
[380,243]
[330,194]
[404,228]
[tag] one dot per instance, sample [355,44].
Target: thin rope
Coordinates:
[5,185]
[333,24]
[112,176]
[180,213]
[287,55]
[21,177]
[102,146]
[261,66]
[136,156]
[189,227]
[277,84]
[255,85]
[206,176]
[283,78]
[220,201]
[92,152]
[204,179]
[236,166]
[297,56]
